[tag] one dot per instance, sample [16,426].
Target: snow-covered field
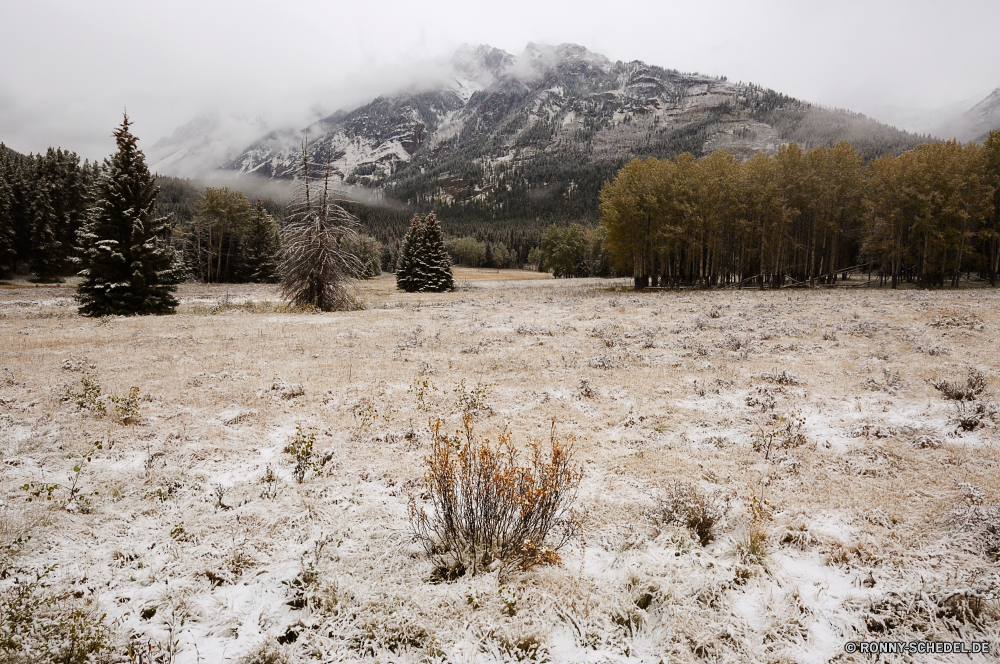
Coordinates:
[188,532]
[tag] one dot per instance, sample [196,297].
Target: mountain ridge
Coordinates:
[537,134]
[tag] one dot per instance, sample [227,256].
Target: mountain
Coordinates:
[535,136]
[198,147]
[976,123]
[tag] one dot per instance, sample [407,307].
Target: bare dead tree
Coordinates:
[317,267]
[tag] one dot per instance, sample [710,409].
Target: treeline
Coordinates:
[928,216]
[501,243]
[44,200]
[226,239]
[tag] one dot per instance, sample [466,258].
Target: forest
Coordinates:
[930,216]
[44,200]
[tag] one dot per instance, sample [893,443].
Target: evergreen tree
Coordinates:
[128,266]
[435,264]
[991,232]
[424,265]
[7,253]
[406,266]
[20,199]
[45,260]
[260,247]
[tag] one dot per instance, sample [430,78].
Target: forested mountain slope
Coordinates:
[536,136]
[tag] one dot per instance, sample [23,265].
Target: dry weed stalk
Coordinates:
[490,513]
[752,547]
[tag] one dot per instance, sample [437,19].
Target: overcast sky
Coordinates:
[71,66]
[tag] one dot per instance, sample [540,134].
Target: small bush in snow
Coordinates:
[127,408]
[975,385]
[90,398]
[891,382]
[782,377]
[472,402]
[686,505]
[785,432]
[487,511]
[971,414]
[752,545]
[43,627]
[301,449]
[266,653]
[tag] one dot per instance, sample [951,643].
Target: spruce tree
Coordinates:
[7,253]
[406,277]
[424,265]
[71,201]
[434,260]
[45,260]
[128,266]
[260,247]
[20,192]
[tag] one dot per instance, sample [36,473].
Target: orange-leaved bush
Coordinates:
[487,512]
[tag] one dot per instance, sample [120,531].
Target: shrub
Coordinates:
[970,414]
[301,449]
[786,432]
[127,408]
[422,389]
[490,513]
[781,378]
[686,505]
[472,402]
[975,385]
[265,653]
[39,626]
[891,382]
[90,398]
[94,400]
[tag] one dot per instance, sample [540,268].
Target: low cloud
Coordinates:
[74,67]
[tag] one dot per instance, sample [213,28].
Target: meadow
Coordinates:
[766,474]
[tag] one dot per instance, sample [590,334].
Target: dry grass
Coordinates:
[862,518]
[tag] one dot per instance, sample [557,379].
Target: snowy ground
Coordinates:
[877,530]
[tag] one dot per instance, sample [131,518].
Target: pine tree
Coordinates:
[128,266]
[45,260]
[7,253]
[435,262]
[20,208]
[424,265]
[260,247]
[317,269]
[406,277]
